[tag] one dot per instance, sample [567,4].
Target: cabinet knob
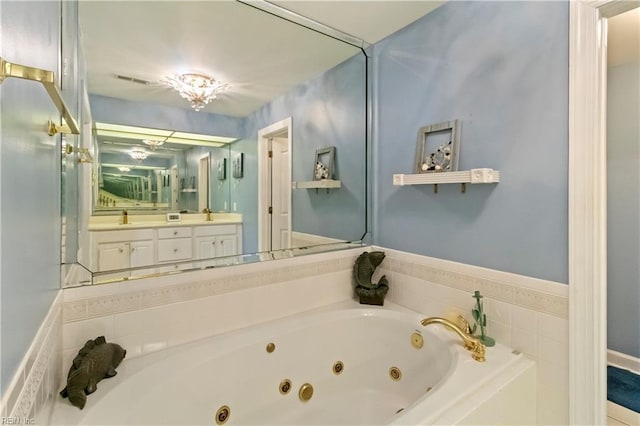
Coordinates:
[133,249]
[175,232]
[213,242]
[175,250]
[121,250]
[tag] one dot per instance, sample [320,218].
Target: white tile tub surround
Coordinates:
[30,396]
[151,314]
[528,314]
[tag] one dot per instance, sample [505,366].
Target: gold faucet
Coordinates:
[125,217]
[471,343]
[207,210]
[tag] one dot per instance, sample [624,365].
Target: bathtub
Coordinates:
[347,364]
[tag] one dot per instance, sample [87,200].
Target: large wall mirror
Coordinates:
[245,178]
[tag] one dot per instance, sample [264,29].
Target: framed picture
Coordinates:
[238,165]
[323,164]
[222,169]
[437,147]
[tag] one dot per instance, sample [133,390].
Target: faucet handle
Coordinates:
[464,324]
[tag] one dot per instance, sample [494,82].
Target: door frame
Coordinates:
[201,191]
[588,208]
[264,192]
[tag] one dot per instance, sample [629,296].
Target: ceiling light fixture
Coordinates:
[124,169]
[138,153]
[153,143]
[196,88]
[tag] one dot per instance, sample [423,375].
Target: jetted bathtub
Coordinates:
[350,364]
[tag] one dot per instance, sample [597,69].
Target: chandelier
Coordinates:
[196,88]
[138,153]
[153,144]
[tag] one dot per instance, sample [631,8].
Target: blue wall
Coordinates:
[502,68]
[119,111]
[328,110]
[623,209]
[29,181]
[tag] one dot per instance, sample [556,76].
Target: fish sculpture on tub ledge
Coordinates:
[370,293]
[97,360]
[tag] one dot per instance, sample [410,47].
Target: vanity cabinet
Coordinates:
[174,244]
[121,249]
[215,241]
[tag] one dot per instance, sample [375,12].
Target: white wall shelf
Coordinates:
[318,184]
[473,176]
[189,190]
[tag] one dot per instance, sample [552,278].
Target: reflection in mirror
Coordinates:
[143,169]
[290,92]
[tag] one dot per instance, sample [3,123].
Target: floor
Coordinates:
[618,415]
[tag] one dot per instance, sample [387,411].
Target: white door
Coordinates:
[141,255]
[274,185]
[203,183]
[226,245]
[280,193]
[205,247]
[174,188]
[113,256]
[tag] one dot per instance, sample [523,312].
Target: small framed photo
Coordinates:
[437,147]
[323,164]
[222,169]
[238,165]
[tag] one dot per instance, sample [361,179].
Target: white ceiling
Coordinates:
[370,21]
[259,55]
[623,44]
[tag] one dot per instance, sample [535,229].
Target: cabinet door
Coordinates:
[226,245]
[206,247]
[141,253]
[113,256]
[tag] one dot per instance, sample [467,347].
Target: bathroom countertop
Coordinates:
[113,223]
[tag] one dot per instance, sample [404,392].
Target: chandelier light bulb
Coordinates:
[198,89]
[153,144]
[124,169]
[138,153]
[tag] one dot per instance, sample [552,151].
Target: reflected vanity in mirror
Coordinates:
[215,186]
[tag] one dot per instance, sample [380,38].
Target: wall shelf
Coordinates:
[318,184]
[189,190]
[473,176]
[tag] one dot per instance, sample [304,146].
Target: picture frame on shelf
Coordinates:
[323,166]
[438,147]
[238,165]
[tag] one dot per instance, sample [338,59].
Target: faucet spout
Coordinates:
[471,343]
[207,210]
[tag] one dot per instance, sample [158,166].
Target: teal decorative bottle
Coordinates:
[480,321]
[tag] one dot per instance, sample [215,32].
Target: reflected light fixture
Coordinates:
[138,153]
[198,89]
[153,144]
[124,169]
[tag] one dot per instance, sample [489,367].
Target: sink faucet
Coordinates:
[207,210]
[471,343]
[125,217]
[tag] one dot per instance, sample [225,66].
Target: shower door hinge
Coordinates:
[270,154]
[270,210]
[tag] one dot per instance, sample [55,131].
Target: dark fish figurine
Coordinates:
[97,360]
[365,266]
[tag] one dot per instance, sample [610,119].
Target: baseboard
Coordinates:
[624,361]
[622,414]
